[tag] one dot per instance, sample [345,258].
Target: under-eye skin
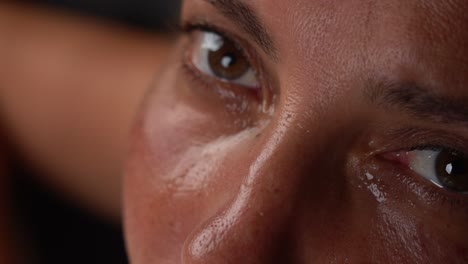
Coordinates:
[219,61]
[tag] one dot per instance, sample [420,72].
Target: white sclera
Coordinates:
[423,162]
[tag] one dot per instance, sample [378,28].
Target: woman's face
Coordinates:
[306,131]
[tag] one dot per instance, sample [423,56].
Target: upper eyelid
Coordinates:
[416,137]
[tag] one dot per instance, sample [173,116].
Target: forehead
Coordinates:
[428,37]
[437,20]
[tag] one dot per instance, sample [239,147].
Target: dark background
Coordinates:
[147,14]
[55,231]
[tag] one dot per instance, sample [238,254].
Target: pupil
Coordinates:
[451,169]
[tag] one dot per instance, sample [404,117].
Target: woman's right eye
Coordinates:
[221,58]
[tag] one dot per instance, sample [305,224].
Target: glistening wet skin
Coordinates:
[305,132]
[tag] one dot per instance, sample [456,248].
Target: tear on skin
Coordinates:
[372,185]
[191,174]
[212,236]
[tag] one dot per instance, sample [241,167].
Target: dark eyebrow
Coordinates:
[247,18]
[421,103]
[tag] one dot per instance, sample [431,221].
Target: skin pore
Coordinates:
[341,141]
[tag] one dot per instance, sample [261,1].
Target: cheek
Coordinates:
[166,200]
[164,185]
[177,160]
[410,237]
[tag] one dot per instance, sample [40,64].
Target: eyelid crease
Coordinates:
[418,138]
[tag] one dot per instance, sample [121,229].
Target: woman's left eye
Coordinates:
[445,168]
[221,58]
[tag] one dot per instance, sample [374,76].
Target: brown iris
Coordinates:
[452,171]
[228,62]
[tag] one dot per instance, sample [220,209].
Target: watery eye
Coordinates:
[216,56]
[447,169]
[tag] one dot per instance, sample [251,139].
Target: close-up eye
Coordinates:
[445,168]
[218,57]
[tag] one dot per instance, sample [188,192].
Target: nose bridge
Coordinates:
[257,221]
